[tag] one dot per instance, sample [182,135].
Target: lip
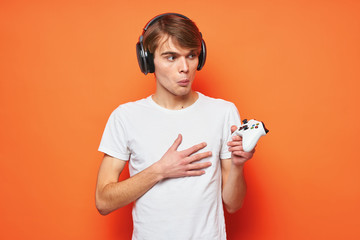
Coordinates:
[184,82]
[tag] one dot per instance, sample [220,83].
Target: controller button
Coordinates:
[245,121]
[256,126]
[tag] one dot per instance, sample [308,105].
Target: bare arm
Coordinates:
[234,185]
[112,194]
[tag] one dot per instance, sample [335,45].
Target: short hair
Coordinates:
[182,30]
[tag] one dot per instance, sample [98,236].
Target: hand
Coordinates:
[183,163]
[238,155]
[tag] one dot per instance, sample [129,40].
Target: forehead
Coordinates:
[170,44]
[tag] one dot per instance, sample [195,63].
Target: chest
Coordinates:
[150,136]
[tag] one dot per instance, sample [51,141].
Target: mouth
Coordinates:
[184,82]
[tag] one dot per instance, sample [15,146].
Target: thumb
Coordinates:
[176,143]
[233,128]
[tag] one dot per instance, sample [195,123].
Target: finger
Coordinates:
[195,173]
[234,143]
[198,166]
[233,129]
[199,156]
[176,143]
[236,148]
[193,149]
[238,153]
[236,138]
[243,154]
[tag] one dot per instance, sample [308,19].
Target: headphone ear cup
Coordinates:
[141,57]
[202,56]
[150,62]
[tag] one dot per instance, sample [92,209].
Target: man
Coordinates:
[179,187]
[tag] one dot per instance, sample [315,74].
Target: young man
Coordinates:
[184,164]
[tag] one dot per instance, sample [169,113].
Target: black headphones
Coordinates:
[146,59]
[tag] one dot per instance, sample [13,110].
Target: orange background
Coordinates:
[65,65]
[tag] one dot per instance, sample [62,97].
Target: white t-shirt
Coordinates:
[180,208]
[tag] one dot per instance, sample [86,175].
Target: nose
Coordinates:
[183,65]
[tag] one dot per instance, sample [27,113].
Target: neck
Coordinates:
[173,102]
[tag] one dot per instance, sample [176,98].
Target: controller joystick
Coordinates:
[251,131]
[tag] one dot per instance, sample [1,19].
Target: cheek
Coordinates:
[161,70]
[194,64]
[194,67]
[160,66]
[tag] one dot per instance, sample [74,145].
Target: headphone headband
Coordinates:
[156,18]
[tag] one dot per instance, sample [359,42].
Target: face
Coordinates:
[175,68]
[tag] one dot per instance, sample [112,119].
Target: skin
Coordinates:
[175,72]
[232,170]
[175,69]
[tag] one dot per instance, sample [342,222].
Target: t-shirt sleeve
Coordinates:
[113,141]
[232,118]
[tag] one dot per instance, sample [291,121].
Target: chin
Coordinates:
[184,91]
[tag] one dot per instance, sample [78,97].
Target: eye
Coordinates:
[192,56]
[171,58]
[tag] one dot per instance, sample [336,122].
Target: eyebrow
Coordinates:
[169,53]
[175,53]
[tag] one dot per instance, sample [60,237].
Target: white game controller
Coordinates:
[251,131]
